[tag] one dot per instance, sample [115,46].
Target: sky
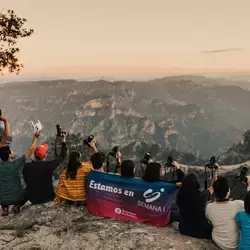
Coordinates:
[134,37]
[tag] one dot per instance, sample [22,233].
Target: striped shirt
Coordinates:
[73,190]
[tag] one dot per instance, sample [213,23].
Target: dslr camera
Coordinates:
[242,175]
[114,151]
[212,163]
[169,163]
[88,140]
[146,158]
[60,132]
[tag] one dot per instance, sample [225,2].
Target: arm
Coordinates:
[237,218]
[63,150]
[248,183]
[52,165]
[6,131]
[214,178]
[29,152]
[207,211]
[93,146]
[180,173]
[118,159]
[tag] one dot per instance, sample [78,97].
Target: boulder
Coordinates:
[52,226]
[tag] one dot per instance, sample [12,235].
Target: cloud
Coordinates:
[221,50]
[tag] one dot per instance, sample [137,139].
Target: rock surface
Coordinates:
[51,226]
[61,227]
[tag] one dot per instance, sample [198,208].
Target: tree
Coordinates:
[11,30]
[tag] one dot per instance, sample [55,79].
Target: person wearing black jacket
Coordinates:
[38,175]
[191,203]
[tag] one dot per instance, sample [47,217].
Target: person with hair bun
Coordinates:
[71,186]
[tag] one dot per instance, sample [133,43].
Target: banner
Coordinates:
[133,199]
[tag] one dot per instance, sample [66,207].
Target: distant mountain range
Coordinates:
[195,115]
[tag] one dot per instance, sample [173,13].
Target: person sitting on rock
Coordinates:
[72,186]
[153,174]
[191,203]
[38,174]
[128,169]
[222,213]
[243,220]
[11,190]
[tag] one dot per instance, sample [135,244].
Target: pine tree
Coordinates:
[11,30]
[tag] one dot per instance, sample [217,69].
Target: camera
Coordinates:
[146,158]
[0,112]
[169,163]
[212,163]
[88,140]
[242,175]
[60,132]
[114,151]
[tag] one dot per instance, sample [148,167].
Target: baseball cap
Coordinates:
[41,150]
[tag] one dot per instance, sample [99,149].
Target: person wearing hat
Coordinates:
[38,174]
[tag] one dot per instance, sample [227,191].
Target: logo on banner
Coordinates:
[151,196]
[118,210]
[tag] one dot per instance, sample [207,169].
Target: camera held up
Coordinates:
[242,175]
[60,132]
[212,163]
[88,140]
[114,151]
[113,154]
[146,158]
[169,163]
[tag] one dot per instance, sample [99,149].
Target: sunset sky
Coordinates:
[134,37]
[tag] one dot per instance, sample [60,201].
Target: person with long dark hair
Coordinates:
[152,172]
[191,203]
[128,168]
[71,186]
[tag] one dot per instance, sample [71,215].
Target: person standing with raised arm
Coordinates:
[11,191]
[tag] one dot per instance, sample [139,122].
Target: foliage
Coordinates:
[11,30]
